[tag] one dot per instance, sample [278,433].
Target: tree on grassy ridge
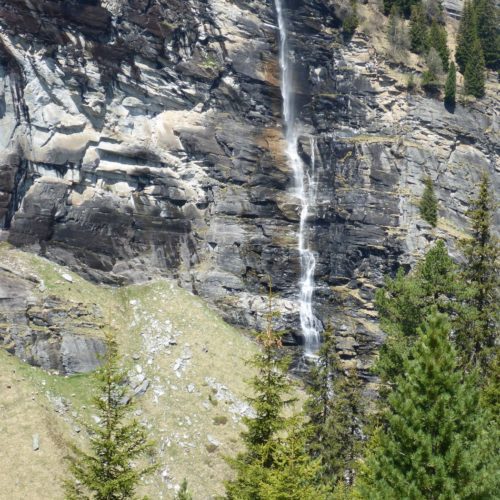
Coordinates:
[487,30]
[475,71]
[109,471]
[438,39]
[419,40]
[467,34]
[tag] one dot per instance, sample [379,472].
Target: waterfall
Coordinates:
[305,190]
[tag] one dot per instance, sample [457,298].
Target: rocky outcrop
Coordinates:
[45,330]
[144,137]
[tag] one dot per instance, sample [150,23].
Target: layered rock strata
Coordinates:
[145,137]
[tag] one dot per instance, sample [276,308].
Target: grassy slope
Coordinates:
[179,407]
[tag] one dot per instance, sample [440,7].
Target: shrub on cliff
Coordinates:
[428,203]
[450,88]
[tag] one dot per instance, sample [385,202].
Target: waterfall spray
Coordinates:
[304,189]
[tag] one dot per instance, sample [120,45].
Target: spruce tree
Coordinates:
[335,410]
[350,21]
[294,476]
[450,88]
[406,300]
[419,41]
[475,71]
[109,471]
[478,326]
[429,204]
[467,34]
[488,32]
[275,463]
[438,39]
[436,440]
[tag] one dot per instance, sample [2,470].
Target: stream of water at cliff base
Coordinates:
[304,190]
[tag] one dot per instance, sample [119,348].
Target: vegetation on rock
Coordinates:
[428,203]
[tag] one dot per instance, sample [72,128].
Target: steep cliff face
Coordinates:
[145,137]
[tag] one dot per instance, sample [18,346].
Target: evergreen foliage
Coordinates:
[478,326]
[419,41]
[350,21]
[436,441]
[397,34]
[488,21]
[475,71]
[406,301]
[438,39]
[294,476]
[275,463]
[450,88]
[428,203]
[335,410]
[403,6]
[110,471]
[467,35]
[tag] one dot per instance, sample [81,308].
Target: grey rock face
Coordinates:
[139,138]
[44,330]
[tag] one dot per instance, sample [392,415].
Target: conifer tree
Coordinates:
[335,410]
[397,34]
[294,476]
[436,441]
[351,20]
[406,300]
[276,463]
[419,41]
[109,471]
[478,326]
[475,71]
[467,34]
[438,39]
[488,32]
[428,203]
[450,88]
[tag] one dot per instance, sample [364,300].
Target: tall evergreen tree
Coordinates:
[419,41]
[109,471]
[475,71]
[450,88]
[405,302]
[467,34]
[428,203]
[437,440]
[335,410]
[488,31]
[438,39]
[275,444]
[478,327]
[294,476]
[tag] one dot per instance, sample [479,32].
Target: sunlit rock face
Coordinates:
[140,138]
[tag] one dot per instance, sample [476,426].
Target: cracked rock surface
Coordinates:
[141,137]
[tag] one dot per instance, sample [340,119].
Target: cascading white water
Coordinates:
[304,187]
